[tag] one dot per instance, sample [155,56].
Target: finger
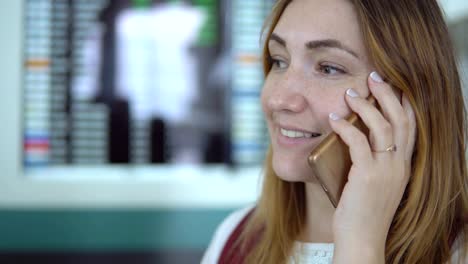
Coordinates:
[380,130]
[412,130]
[391,108]
[359,148]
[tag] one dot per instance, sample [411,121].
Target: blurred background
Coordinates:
[131,128]
[142,82]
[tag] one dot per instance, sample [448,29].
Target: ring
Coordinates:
[391,148]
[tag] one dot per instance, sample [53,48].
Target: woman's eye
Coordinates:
[277,64]
[330,70]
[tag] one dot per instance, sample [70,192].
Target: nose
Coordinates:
[287,96]
[287,101]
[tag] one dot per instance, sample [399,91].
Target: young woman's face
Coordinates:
[318,53]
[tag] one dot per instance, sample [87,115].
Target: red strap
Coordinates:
[232,252]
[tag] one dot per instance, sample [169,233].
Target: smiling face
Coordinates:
[317,53]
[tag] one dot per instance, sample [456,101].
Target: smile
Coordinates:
[298,134]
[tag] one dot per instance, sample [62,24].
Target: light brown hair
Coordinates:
[409,44]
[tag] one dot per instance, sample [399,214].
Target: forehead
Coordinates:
[308,20]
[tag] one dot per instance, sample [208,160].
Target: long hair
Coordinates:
[409,44]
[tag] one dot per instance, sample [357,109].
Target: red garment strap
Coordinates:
[232,253]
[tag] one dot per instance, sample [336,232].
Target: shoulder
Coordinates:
[222,234]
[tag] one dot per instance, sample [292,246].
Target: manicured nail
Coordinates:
[334,116]
[351,92]
[376,77]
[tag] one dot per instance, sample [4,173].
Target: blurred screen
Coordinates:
[142,82]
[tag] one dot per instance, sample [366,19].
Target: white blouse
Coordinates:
[313,253]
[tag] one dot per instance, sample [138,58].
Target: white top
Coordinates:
[313,253]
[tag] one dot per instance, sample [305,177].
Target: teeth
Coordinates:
[297,134]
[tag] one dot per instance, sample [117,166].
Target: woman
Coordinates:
[406,197]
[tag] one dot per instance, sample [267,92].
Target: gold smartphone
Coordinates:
[330,160]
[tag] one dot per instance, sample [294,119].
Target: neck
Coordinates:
[319,216]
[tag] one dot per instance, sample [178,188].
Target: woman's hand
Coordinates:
[378,177]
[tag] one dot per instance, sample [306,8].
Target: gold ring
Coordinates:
[391,148]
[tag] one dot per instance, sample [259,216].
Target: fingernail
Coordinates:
[351,92]
[376,77]
[334,116]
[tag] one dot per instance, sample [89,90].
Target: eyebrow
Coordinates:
[317,44]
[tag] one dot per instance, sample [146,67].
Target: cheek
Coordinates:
[329,96]
[264,97]
[328,100]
